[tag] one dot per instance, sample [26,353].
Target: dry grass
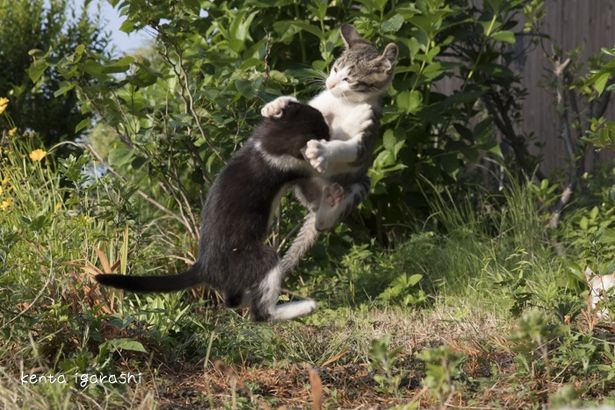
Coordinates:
[346,377]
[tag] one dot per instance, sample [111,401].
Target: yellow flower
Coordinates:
[58,206]
[4,205]
[5,180]
[38,155]
[12,132]
[4,102]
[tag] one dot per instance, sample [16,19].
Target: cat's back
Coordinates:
[239,203]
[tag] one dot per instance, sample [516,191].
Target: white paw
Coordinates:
[311,306]
[363,115]
[275,108]
[317,154]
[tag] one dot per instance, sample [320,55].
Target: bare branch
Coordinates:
[140,192]
[559,71]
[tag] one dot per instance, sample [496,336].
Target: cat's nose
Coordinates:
[330,83]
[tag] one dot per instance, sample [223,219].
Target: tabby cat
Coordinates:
[351,105]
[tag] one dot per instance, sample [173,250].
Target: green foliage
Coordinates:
[532,340]
[402,291]
[481,273]
[466,259]
[40,99]
[587,228]
[442,371]
[383,361]
[183,109]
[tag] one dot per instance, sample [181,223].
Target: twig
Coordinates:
[185,94]
[557,211]
[36,298]
[559,71]
[140,192]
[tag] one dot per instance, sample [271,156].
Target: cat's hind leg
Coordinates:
[292,310]
[337,202]
[265,297]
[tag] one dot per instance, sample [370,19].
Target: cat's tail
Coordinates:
[168,283]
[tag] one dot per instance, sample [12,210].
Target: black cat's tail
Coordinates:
[168,283]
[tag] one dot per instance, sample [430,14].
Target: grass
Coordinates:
[477,310]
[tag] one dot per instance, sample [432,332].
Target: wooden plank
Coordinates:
[589,24]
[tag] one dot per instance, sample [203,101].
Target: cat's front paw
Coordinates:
[363,116]
[275,108]
[317,154]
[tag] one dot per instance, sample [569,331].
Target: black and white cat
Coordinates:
[234,222]
[351,104]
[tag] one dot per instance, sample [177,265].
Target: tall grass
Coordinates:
[479,250]
[478,262]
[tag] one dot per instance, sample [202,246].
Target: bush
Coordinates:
[40,99]
[183,109]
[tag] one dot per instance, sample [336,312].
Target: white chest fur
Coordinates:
[341,115]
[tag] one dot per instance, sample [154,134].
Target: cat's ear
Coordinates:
[389,56]
[351,36]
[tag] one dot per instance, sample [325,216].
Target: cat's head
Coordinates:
[361,73]
[288,134]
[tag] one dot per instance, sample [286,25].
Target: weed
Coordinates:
[383,362]
[442,372]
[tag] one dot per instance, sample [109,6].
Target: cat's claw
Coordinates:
[333,194]
[275,108]
[317,154]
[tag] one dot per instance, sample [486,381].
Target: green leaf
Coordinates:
[384,159]
[426,23]
[414,279]
[118,66]
[496,5]
[409,101]
[282,26]
[504,36]
[594,213]
[584,223]
[127,26]
[413,46]
[393,24]
[82,124]
[497,150]
[79,50]
[138,162]
[66,87]
[121,155]
[125,344]
[36,70]
[240,28]
[94,68]
[388,139]
[600,81]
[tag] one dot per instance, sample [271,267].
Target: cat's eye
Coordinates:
[335,69]
[345,79]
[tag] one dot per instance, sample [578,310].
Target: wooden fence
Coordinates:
[589,24]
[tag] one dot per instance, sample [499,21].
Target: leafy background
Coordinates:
[460,280]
